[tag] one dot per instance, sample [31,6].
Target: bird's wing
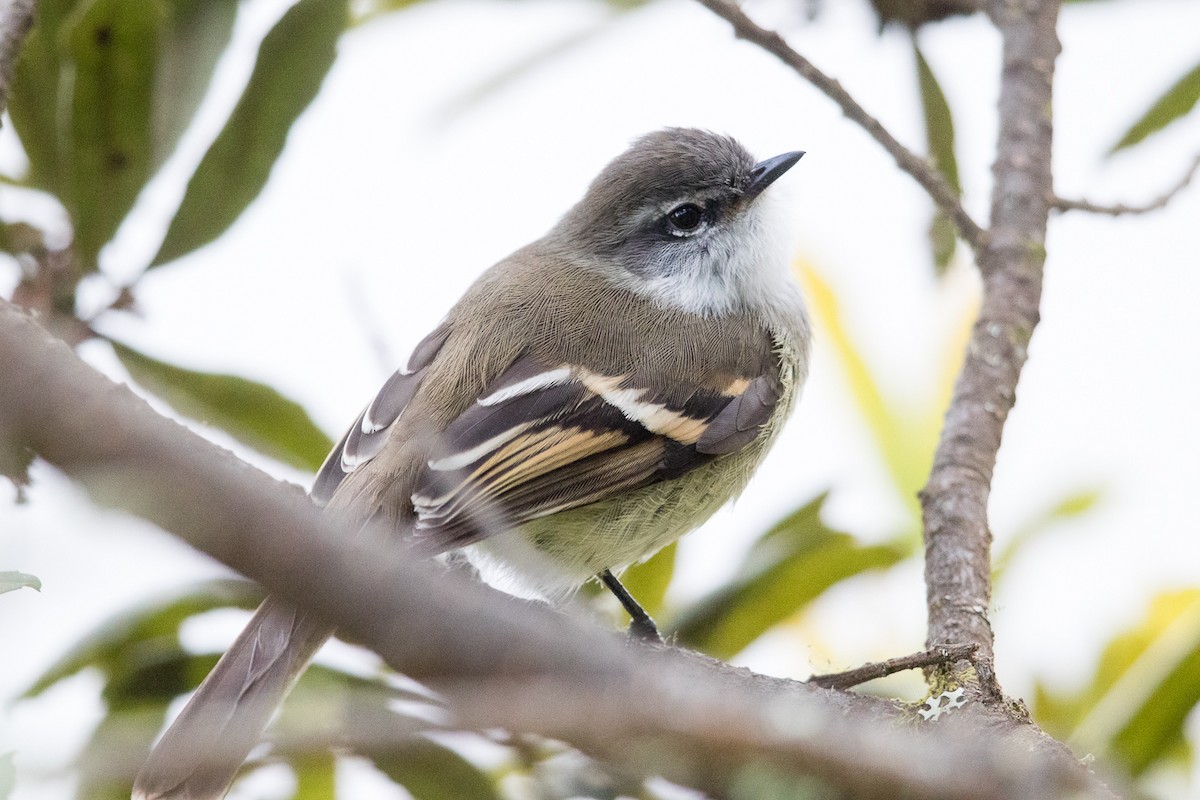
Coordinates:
[545,438]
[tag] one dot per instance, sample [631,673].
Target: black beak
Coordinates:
[765,172]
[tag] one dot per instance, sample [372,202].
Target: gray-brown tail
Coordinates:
[200,754]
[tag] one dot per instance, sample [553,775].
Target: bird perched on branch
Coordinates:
[591,398]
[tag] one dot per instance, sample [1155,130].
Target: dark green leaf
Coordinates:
[788,567]
[35,102]
[1142,692]
[114,47]
[1175,103]
[11,581]
[939,135]
[648,581]
[292,62]
[196,33]
[147,631]
[254,414]
[431,771]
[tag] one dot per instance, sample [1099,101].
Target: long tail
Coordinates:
[200,754]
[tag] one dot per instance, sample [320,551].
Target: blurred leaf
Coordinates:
[368,10]
[292,62]
[254,414]
[431,771]
[195,35]
[1142,692]
[145,631]
[1073,505]
[648,581]
[939,135]
[35,104]
[8,775]
[907,448]
[1176,102]
[787,568]
[11,581]
[315,776]
[114,48]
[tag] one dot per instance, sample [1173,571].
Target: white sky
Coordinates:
[396,191]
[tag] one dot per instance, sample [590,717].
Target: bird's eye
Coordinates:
[685,218]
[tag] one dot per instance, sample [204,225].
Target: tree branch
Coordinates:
[920,169]
[954,502]
[499,661]
[1061,204]
[881,669]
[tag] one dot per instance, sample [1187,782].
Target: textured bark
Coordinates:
[957,537]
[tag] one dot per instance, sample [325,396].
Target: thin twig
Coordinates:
[946,654]
[16,20]
[919,168]
[1062,204]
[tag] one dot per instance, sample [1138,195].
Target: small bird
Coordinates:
[590,399]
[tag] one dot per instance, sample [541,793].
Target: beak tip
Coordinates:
[766,172]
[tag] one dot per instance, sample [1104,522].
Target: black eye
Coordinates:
[686,217]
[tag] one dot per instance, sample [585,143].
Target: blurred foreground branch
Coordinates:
[500,661]
[16,20]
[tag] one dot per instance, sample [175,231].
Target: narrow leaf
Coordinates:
[195,34]
[254,414]
[11,581]
[788,567]
[35,99]
[1177,101]
[431,771]
[114,49]
[939,135]
[292,62]
[907,449]
[8,775]
[1073,505]
[111,645]
[1143,690]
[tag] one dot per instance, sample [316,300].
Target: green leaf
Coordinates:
[1142,692]
[788,567]
[648,581]
[315,776]
[906,445]
[939,135]
[292,62]
[8,775]
[195,35]
[431,771]
[114,50]
[35,101]
[1175,103]
[254,414]
[1073,505]
[144,634]
[11,581]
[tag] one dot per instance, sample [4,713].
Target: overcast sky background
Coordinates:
[402,183]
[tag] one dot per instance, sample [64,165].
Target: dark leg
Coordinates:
[640,624]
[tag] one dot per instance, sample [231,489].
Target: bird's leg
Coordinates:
[640,624]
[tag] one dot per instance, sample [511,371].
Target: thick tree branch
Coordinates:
[954,502]
[499,661]
[920,169]
[1061,204]
[16,20]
